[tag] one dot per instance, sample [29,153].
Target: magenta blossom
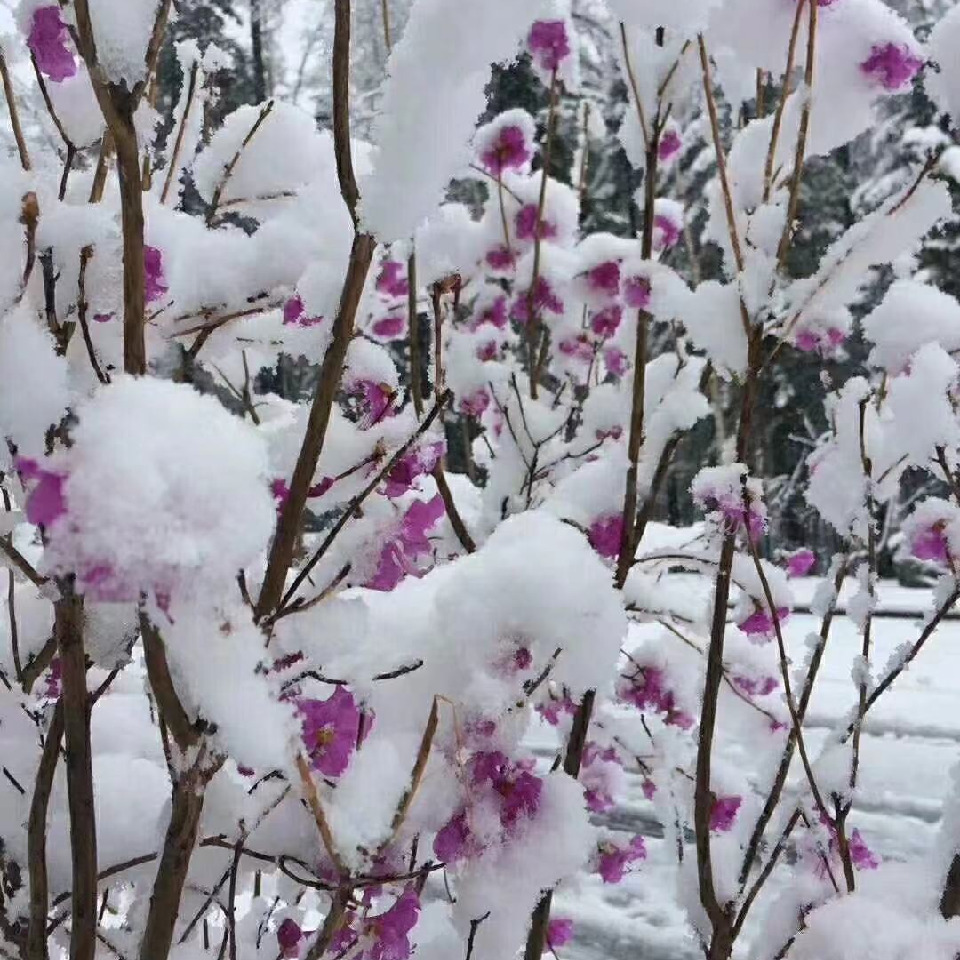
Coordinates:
[53,681]
[501,258]
[330,729]
[756,687]
[723,813]
[453,840]
[510,151]
[549,44]
[861,855]
[375,400]
[489,350]
[476,404]
[390,328]
[393,280]
[604,278]
[414,464]
[801,563]
[544,298]
[519,789]
[295,314]
[553,708]
[46,501]
[636,292]
[615,360]
[605,535]
[289,936]
[649,788]
[381,937]
[614,860]
[931,544]
[399,556]
[647,689]
[760,624]
[597,776]
[613,433]
[814,341]
[728,510]
[892,65]
[605,322]
[559,932]
[155,282]
[666,232]
[494,313]
[526,224]
[670,144]
[48,44]
[577,348]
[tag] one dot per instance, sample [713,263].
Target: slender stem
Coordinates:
[385,16]
[532,324]
[413,325]
[14,112]
[174,162]
[229,169]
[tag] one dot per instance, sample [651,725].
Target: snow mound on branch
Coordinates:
[166,492]
[33,383]
[121,32]
[431,101]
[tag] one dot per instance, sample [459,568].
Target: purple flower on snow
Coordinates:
[605,322]
[399,555]
[289,936]
[381,937]
[415,463]
[391,327]
[501,258]
[452,840]
[801,563]
[577,348]
[48,43]
[392,280]
[605,534]
[636,292]
[614,860]
[295,314]
[526,224]
[647,689]
[544,298]
[476,404]
[723,813]
[155,282]
[892,65]
[756,688]
[518,788]
[605,278]
[559,932]
[549,44]
[666,232]
[330,729]
[615,360]
[931,544]
[670,144]
[760,624]
[509,151]
[46,501]
[495,314]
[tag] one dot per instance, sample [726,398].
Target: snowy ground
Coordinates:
[912,740]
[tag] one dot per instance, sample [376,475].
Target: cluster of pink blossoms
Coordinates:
[647,689]
[295,314]
[509,151]
[549,44]
[726,508]
[515,791]
[331,730]
[892,65]
[823,342]
[760,626]
[605,534]
[400,555]
[930,543]
[384,936]
[614,860]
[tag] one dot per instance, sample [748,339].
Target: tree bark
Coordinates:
[256,45]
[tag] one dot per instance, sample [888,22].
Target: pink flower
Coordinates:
[636,292]
[649,788]
[728,510]
[577,348]
[103,317]
[647,689]
[760,624]
[597,776]
[155,283]
[559,932]
[931,544]
[551,710]
[814,341]
[801,563]
[390,930]
[723,813]
[393,280]
[46,501]
[666,233]
[501,258]
[510,151]
[390,328]
[476,404]
[414,464]
[295,314]
[53,681]
[605,278]
[892,65]
[289,936]
[615,360]
[614,860]
[670,144]
[756,687]
[330,730]
[375,400]
[495,314]
[605,535]
[452,841]
[519,790]
[545,298]
[614,433]
[549,44]
[526,224]
[490,350]
[48,43]
[399,555]
[861,855]
[605,322]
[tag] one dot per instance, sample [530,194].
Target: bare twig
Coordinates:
[14,112]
